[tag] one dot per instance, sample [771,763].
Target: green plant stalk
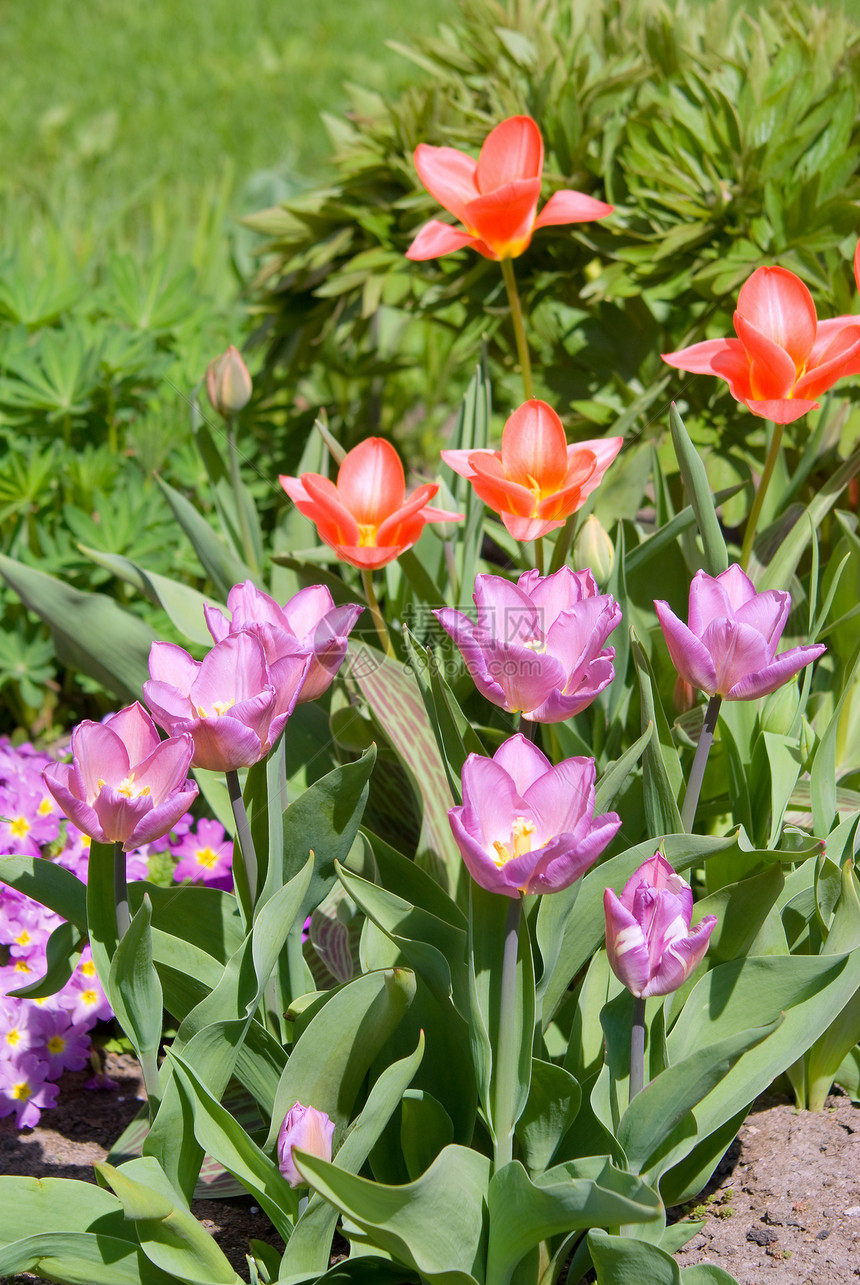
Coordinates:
[516,307]
[637,1048]
[243,832]
[755,511]
[700,759]
[451,566]
[373,607]
[120,891]
[236,483]
[538,556]
[507,1053]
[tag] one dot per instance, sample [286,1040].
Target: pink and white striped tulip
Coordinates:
[124,784]
[729,647]
[526,826]
[537,647]
[309,622]
[227,703]
[650,945]
[309,1130]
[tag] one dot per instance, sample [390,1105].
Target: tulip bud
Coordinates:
[780,709]
[307,1129]
[593,548]
[228,383]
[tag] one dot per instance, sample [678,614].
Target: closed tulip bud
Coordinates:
[780,710]
[309,1130]
[228,383]
[593,548]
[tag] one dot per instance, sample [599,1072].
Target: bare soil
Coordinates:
[782,1209]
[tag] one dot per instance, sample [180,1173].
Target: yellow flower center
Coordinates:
[21,966]
[13,1037]
[521,834]
[88,969]
[21,1091]
[45,807]
[19,827]
[126,787]
[205,857]
[90,997]
[218,708]
[23,938]
[56,1044]
[367,535]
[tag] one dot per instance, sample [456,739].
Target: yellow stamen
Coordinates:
[367,535]
[205,857]
[20,826]
[45,807]
[218,708]
[22,1091]
[56,1044]
[521,833]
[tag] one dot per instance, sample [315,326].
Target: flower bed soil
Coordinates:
[783,1208]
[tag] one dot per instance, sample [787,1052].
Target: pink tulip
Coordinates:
[648,939]
[309,1130]
[227,703]
[525,826]
[124,784]
[309,622]
[729,647]
[537,646]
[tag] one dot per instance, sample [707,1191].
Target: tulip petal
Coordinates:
[680,958]
[308,609]
[136,730]
[224,744]
[725,358]
[448,175]
[480,865]
[524,763]
[559,865]
[736,650]
[458,461]
[773,372]
[626,945]
[511,151]
[534,448]
[689,655]
[388,532]
[784,667]
[162,818]
[504,219]
[370,481]
[325,508]
[767,612]
[566,206]
[839,358]
[492,485]
[436,238]
[558,592]
[780,308]
[604,451]
[171,664]
[781,410]
[233,670]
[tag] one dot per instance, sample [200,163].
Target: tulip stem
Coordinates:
[120,891]
[516,307]
[758,502]
[507,1052]
[373,607]
[241,511]
[637,1048]
[700,759]
[243,833]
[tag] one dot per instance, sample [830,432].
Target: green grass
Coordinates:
[109,107]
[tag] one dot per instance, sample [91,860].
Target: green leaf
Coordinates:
[91,1257]
[698,489]
[134,989]
[334,1050]
[183,604]
[620,1260]
[51,885]
[551,1108]
[523,1213]
[169,1236]
[224,1139]
[309,1247]
[91,633]
[663,777]
[434,1225]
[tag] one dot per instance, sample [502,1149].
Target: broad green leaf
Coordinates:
[698,489]
[705,1274]
[183,604]
[62,953]
[741,909]
[434,1225]
[205,917]
[134,989]
[663,778]
[455,736]
[525,1212]
[310,1244]
[823,775]
[334,1050]
[620,1260]
[169,1235]
[91,632]
[425,1130]
[551,1108]
[617,772]
[82,1258]
[222,1137]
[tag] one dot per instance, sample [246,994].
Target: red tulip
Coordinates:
[495,197]
[784,357]
[366,518]
[536,480]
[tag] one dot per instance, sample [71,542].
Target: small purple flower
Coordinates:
[525,826]
[729,647]
[537,647]
[309,623]
[227,703]
[25,1090]
[62,1044]
[309,1130]
[650,945]
[124,784]
[206,857]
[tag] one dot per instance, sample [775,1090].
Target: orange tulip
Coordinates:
[366,517]
[784,358]
[536,480]
[495,197]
